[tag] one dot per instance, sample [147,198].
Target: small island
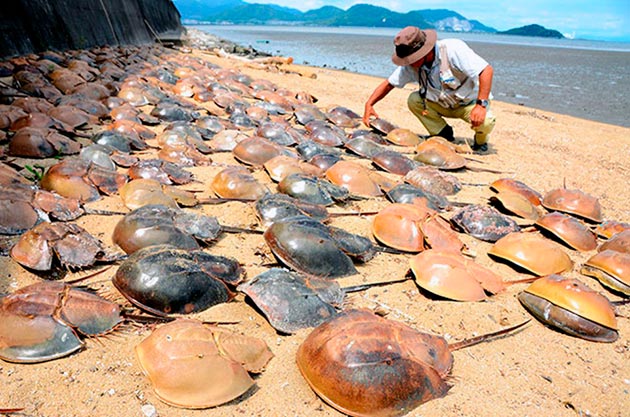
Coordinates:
[534,30]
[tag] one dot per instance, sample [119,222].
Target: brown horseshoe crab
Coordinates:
[569,230]
[619,242]
[402,137]
[575,202]
[193,365]
[67,243]
[572,307]
[162,279]
[611,268]
[433,180]
[609,228]
[45,321]
[517,187]
[364,365]
[532,252]
[237,182]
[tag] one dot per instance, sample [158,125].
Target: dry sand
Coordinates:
[535,372]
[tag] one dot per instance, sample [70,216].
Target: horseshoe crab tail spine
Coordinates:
[103,212]
[75,281]
[385,249]
[234,229]
[485,337]
[354,213]
[218,200]
[363,287]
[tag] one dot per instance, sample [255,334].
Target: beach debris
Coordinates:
[47,320]
[568,305]
[532,252]
[611,268]
[365,365]
[194,365]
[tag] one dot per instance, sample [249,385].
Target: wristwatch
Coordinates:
[482,103]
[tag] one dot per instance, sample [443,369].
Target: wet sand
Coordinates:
[535,372]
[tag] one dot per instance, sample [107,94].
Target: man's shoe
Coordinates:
[480,147]
[447,133]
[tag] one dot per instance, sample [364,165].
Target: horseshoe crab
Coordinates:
[163,171]
[237,182]
[363,147]
[569,230]
[310,247]
[433,180]
[34,142]
[312,190]
[609,228]
[46,321]
[67,243]
[257,150]
[157,224]
[291,301]
[393,162]
[357,179]
[382,125]
[162,279]
[364,365]
[409,194]
[452,276]
[611,268]
[192,365]
[398,226]
[575,202]
[517,204]
[142,192]
[483,222]
[439,155]
[274,207]
[568,305]
[402,137]
[82,180]
[532,252]
[517,187]
[619,242]
[280,166]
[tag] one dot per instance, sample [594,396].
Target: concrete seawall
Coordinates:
[38,25]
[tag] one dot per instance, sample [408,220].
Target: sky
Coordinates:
[587,19]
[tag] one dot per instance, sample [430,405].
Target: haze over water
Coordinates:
[586,79]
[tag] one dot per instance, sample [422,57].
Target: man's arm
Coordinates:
[377,95]
[478,113]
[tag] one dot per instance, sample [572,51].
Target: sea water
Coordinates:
[586,79]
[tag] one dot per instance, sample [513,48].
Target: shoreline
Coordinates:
[536,371]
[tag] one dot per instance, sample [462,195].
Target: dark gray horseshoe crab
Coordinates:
[309,246]
[364,365]
[164,280]
[483,222]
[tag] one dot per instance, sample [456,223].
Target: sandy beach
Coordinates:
[535,372]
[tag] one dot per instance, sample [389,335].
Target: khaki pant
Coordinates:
[434,121]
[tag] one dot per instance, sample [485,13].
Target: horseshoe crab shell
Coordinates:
[402,137]
[307,246]
[532,252]
[439,155]
[191,365]
[609,228]
[619,242]
[365,365]
[483,222]
[291,301]
[569,305]
[433,180]
[450,275]
[237,182]
[393,162]
[397,226]
[517,204]
[574,202]
[517,187]
[568,229]
[357,179]
[611,268]
[163,280]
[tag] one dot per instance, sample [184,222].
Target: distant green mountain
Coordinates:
[534,30]
[241,12]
